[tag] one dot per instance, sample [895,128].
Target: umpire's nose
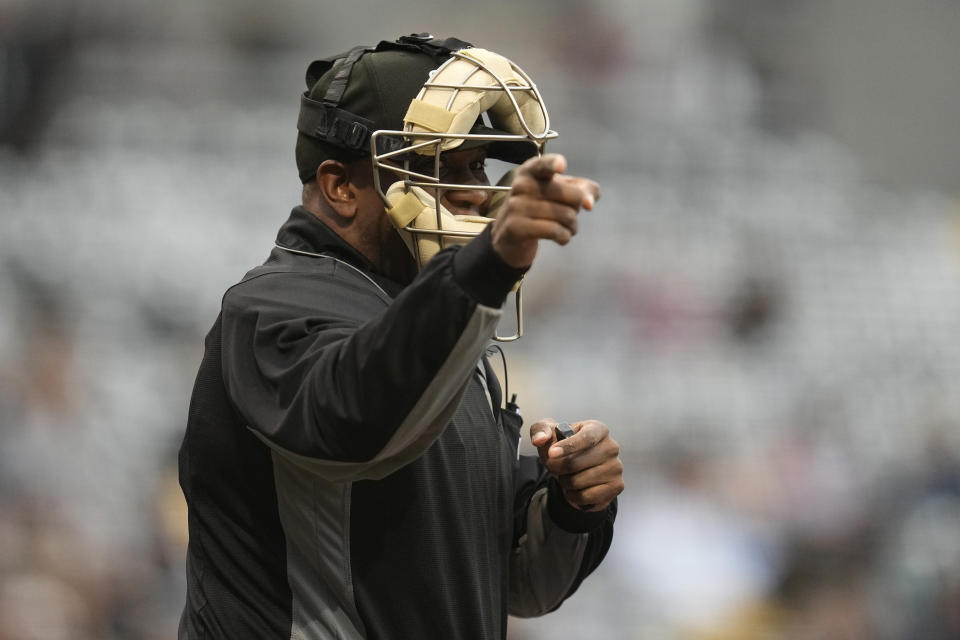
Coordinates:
[466,201]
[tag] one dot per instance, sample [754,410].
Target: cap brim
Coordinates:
[514,151]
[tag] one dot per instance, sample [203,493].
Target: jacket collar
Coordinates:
[303,231]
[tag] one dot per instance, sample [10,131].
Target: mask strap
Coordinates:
[325,121]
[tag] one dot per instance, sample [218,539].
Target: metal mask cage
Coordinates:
[387,145]
[391,151]
[398,161]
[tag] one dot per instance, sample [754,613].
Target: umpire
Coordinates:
[350,464]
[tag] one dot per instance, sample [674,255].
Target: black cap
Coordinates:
[369,89]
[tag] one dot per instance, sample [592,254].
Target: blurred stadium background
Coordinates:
[764,306]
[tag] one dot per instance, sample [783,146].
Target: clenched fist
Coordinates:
[587,464]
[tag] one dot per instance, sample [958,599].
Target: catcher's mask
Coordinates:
[475,97]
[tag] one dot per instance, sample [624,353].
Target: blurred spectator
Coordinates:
[36,49]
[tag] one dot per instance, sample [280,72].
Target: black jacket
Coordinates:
[347,466]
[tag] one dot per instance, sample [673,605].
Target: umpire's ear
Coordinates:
[337,188]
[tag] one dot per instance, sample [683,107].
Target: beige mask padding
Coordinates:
[415,208]
[433,112]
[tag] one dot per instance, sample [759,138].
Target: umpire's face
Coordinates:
[459,167]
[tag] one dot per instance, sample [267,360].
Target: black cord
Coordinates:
[512,402]
[503,358]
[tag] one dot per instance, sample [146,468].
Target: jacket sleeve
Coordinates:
[556,546]
[332,374]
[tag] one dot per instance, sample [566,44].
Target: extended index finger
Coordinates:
[543,167]
[539,176]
